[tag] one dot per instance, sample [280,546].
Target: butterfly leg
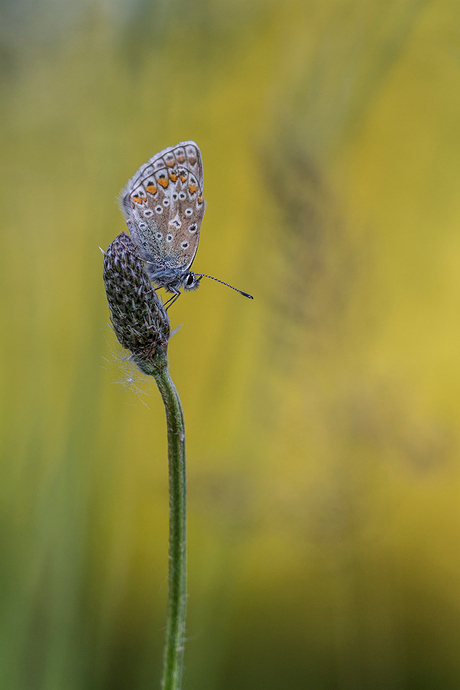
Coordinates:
[172,299]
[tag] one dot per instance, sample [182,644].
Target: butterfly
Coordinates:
[163,206]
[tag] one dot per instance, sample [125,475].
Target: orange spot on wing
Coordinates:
[151,189]
[138,199]
[163,181]
[183,176]
[173,176]
[200,199]
[192,188]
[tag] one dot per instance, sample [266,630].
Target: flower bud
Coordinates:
[138,317]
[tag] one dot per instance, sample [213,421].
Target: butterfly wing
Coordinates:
[163,205]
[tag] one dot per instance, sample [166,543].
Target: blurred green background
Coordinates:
[322,418]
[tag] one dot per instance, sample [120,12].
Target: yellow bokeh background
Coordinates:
[322,418]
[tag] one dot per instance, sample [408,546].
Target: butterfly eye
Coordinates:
[190,279]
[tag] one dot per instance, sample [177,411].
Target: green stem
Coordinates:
[175,622]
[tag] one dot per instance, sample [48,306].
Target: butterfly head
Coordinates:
[191,281]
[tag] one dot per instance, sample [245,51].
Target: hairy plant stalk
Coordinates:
[175,623]
[141,325]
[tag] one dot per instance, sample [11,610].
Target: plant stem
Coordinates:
[175,622]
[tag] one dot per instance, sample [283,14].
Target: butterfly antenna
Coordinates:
[203,275]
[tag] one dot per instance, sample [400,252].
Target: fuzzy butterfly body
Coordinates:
[163,206]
